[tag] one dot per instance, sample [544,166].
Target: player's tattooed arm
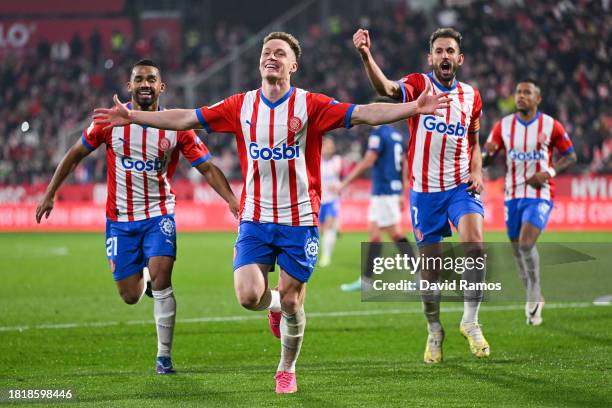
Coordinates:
[171,119]
[383,85]
[539,179]
[381,113]
[218,182]
[69,162]
[475,181]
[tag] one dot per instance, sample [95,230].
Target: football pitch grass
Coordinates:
[63,326]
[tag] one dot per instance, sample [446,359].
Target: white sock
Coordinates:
[531,257]
[431,308]
[522,270]
[329,241]
[146,277]
[164,311]
[292,333]
[275,305]
[472,298]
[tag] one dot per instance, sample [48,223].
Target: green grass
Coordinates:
[357,360]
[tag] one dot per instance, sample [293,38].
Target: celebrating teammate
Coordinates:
[386,154]
[278,131]
[140,228]
[529,137]
[445,173]
[331,167]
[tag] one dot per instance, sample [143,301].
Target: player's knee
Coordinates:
[289,301]
[525,245]
[129,297]
[248,299]
[474,249]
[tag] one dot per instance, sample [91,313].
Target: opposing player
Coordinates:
[386,156]
[331,167]
[529,138]
[278,131]
[140,228]
[445,173]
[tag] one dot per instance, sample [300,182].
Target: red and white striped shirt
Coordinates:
[140,162]
[529,149]
[439,150]
[279,147]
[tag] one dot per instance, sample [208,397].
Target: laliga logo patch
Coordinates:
[166,226]
[312,247]
[295,124]
[164,144]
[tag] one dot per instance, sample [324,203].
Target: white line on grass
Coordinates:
[344,313]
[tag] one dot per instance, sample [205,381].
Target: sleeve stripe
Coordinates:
[568,151]
[401,85]
[347,116]
[202,121]
[86,143]
[201,160]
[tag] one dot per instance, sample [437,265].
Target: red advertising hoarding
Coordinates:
[581,204]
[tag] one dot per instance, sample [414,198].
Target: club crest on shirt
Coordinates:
[166,226]
[312,247]
[541,137]
[164,144]
[295,124]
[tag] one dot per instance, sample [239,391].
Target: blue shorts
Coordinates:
[329,209]
[431,212]
[294,248]
[521,210]
[129,245]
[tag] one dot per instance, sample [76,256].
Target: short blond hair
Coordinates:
[289,39]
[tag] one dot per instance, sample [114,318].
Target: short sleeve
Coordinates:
[560,139]
[375,142]
[411,87]
[495,137]
[476,112]
[327,113]
[93,136]
[221,117]
[193,148]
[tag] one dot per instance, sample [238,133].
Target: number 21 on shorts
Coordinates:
[111,246]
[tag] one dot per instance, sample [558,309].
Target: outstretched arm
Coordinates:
[69,162]
[171,119]
[384,86]
[218,182]
[381,113]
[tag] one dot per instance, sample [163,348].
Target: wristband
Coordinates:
[551,171]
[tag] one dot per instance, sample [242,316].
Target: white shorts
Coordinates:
[385,210]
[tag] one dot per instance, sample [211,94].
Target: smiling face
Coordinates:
[277,61]
[145,86]
[445,58]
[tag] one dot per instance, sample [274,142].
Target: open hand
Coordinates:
[430,104]
[118,115]
[45,206]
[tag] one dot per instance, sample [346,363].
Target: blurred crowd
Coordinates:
[564,45]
